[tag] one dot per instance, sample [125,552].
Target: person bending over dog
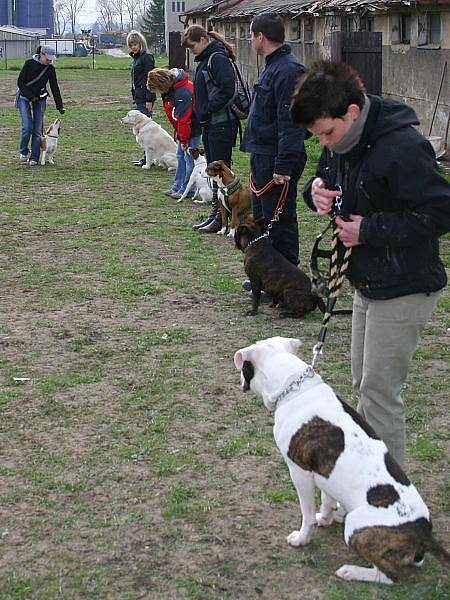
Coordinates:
[31,101]
[214,88]
[397,205]
[274,141]
[178,100]
[143,62]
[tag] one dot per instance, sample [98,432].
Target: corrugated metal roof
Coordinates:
[230,9]
[19,31]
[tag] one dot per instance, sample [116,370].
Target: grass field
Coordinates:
[131,464]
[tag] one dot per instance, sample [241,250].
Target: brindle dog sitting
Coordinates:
[270,271]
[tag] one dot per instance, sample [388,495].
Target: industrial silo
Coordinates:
[35,14]
[4,12]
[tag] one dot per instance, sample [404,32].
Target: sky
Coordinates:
[88,13]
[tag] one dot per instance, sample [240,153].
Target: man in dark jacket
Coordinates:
[276,144]
[394,206]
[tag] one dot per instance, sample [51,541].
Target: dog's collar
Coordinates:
[256,239]
[53,136]
[233,187]
[294,386]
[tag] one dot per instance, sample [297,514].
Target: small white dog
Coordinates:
[327,444]
[159,147]
[51,142]
[199,178]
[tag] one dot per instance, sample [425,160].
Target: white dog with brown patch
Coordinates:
[50,144]
[327,444]
[159,147]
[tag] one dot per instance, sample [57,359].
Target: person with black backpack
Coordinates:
[214,92]
[275,142]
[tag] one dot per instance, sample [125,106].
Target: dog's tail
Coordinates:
[438,551]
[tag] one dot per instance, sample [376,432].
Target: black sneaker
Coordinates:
[139,163]
[246,285]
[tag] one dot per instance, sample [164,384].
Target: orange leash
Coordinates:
[281,201]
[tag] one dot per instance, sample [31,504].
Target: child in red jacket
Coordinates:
[178,98]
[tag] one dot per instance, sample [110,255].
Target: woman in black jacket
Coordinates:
[395,205]
[32,98]
[143,63]
[214,88]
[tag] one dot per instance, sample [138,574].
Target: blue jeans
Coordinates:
[31,118]
[185,166]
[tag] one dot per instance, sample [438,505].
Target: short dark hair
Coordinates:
[326,90]
[271,25]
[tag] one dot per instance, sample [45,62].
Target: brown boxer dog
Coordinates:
[236,198]
[270,271]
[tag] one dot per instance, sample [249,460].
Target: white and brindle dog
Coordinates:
[198,178]
[51,142]
[325,443]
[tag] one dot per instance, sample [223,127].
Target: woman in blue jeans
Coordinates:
[32,99]
[178,101]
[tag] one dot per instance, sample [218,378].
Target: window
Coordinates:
[429,29]
[296,28]
[182,6]
[405,29]
[308,25]
[367,24]
[230,31]
[244,30]
[401,29]
[178,7]
[351,24]
[173,6]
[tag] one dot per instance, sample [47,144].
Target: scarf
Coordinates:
[353,135]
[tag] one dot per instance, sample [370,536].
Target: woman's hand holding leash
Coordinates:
[323,199]
[349,230]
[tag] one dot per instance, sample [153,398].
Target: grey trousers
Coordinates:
[385,334]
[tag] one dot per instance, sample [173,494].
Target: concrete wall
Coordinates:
[411,74]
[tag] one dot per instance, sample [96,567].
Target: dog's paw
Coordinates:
[222,231]
[231,233]
[297,538]
[346,572]
[146,166]
[355,573]
[324,521]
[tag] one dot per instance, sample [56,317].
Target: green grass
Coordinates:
[131,463]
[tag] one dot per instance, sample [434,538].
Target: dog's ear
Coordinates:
[290,344]
[201,151]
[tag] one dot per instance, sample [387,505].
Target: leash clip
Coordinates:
[337,201]
[317,351]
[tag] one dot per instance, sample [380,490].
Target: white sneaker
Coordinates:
[33,163]
[23,157]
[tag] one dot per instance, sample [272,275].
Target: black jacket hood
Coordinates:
[385,117]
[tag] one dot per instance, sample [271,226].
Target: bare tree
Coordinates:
[61,16]
[134,9]
[74,7]
[119,6]
[106,12]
